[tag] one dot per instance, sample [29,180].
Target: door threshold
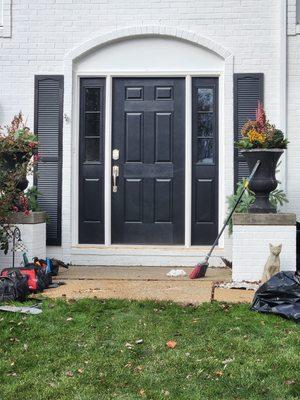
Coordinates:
[144,247]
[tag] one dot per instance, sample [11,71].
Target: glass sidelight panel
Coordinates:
[205,161]
[205,151]
[205,124]
[92,124]
[91,161]
[92,99]
[92,149]
[205,99]
[205,117]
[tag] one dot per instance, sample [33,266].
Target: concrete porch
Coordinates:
[144,283]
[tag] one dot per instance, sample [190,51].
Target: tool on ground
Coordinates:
[21,309]
[200,269]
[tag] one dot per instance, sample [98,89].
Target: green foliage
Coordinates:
[244,205]
[77,351]
[18,138]
[32,195]
[277,199]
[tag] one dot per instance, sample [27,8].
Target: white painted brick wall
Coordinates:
[293,105]
[44,31]
[34,238]
[250,249]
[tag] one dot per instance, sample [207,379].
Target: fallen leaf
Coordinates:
[219,373]
[171,344]
[139,341]
[69,374]
[142,392]
[69,319]
[80,370]
[228,360]
[290,382]
[128,345]
[166,393]
[139,368]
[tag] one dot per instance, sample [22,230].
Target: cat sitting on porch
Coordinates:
[272,265]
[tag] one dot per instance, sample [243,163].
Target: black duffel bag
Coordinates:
[13,286]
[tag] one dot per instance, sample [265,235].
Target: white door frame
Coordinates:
[109,75]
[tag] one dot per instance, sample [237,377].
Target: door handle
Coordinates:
[115,175]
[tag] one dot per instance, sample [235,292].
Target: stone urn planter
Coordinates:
[12,158]
[264,181]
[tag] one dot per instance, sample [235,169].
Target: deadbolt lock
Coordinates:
[115,154]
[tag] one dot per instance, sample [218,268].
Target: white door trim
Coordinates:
[109,75]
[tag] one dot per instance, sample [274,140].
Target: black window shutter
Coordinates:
[48,123]
[248,89]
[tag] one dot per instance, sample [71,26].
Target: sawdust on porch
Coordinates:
[140,283]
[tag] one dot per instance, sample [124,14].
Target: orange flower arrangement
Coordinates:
[260,134]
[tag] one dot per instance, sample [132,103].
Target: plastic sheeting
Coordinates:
[279,295]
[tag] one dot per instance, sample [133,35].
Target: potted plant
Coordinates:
[18,155]
[18,150]
[264,142]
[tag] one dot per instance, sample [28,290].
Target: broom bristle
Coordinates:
[198,272]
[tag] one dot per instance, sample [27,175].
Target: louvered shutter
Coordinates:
[248,89]
[48,126]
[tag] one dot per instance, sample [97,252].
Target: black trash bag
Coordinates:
[279,295]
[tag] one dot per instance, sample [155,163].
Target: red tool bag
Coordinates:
[35,277]
[13,285]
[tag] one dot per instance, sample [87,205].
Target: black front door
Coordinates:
[148,142]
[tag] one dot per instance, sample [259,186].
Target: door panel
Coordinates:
[148,130]
[91,162]
[205,160]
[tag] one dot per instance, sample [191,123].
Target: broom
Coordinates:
[200,269]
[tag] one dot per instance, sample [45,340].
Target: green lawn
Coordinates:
[86,350]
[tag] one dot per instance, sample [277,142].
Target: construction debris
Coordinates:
[175,273]
[22,310]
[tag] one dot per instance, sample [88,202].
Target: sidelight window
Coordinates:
[205,125]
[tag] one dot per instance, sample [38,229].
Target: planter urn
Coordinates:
[264,180]
[12,158]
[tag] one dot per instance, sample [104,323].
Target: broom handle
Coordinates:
[246,184]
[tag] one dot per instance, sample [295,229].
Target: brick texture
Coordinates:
[250,249]
[34,238]
[43,32]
